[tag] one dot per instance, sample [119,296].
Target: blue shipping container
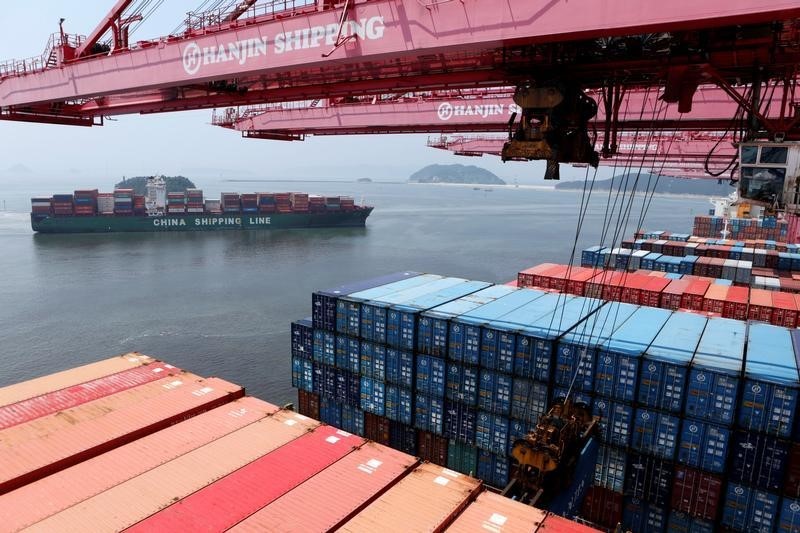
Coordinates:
[348,388]
[462,384]
[493,469]
[330,412]
[528,400]
[759,460]
[373,396]
[684,523]
[324,347]
[399,404]
[655,433]
[403,437]
[750,510]
[789,521]
[429,413]
[568,501]
[491,433]
[649,479]
[400,367]
[303,338]
[325,376]
[638,515]
[662,375]
[353,420]
[302,373]
[430,379]
[704,445]
[714,375]
[616,421]
[373,361]
[609,469]
[460,422]
[494,392]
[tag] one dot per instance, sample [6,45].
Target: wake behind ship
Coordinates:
[90,211]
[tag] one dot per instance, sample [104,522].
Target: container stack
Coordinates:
[741,228]
[698,415]
[347,203]
[266,203]
[231,202]
[249,203]
[213,207]
[194,201]
[299,202]
[63,205]
[105,203]
[123,201]
[316,203]
[85,202]
[333,203]
[41,206]
[283,202]
[139,206]
[176,203]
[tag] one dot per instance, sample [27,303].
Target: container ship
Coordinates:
[90,211]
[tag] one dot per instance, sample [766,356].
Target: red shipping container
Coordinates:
[525,278]
[25,506]
[432,448]
[64,399]
[346,487]
[556,279]
[308,404]
[784,310]
[760,305]
[672,293]
[695,492]
[736,304]
[376,428]
[35,458]
[651,293]
[492,512]
[602,506]
[694,295]
[555,524]
[255,485]
[576,284]
[656,274]
[715,298]
[715,267]
[632,288]
[612,288]
[792,486]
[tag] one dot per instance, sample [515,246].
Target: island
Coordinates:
[467,174]
[665,185]
[174,184]
[364,180]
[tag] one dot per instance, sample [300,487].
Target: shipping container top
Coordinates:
[470,302]
[638,332]
[448,294]
[501,306]
[563,318]
[721,348]
[678,339]
[770,355]
[600,326]
[357,286]
[530,312]
[415,293]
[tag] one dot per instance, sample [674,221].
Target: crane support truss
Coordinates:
[402,45]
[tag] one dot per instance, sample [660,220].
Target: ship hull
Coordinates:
[198,222]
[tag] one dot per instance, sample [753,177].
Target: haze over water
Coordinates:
[220,303]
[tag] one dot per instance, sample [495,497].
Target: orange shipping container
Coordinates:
[736,304]
[694,295]
[492,512]
[527,277]
[784,312]
[760,305]
[632,288]
[715,297]
[672,293]
[427,499]
[555,278]
[576,284]
[74,376]
[345,487]
[651,293]
[36,501]
[33,459]
[130,502]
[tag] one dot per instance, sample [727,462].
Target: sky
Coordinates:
[185,142]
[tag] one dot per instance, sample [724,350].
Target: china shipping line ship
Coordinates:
[89,211]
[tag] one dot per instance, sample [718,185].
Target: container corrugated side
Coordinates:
[255,485]
[713,384]
[345,487]
[492,512]
[428,498]
[68,378]
[747,509]
[35,459]
[125,504]
[772,381]
[27,505]
[61,400]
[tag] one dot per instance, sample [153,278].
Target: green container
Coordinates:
[462,457]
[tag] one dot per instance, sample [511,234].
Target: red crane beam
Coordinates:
[108,22]
[407,40]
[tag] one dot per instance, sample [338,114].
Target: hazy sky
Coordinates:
[185,142]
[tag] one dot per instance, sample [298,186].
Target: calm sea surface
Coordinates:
[220,303]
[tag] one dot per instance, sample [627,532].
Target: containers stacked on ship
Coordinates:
[85,202]
[266,202]
[249,203]
[346,203]
[176,203]
[299,202]
[123,202]
[213,206]
[105,203]
[139,205]
[741,228]
[194,201]
[283,202]
[63,205]
[41,206]
[316,203]
[231,202]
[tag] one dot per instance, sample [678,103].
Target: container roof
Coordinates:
[770,355]
[721,347]
[638,332]
[677,340]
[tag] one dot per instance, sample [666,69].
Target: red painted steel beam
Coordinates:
[108,21]
[392,30]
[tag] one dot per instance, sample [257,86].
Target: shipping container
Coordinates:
[308,404]
[429,498]
[460,422]
[713,385]
[373,361]
[792,486]
[680,522]
[751,510]
[494,392]
[68,378]
[348,353]
[324,349]
[151,491]
[704,445]
[696,493]
[429,413]
[302,374]
[431,375]
[639,517]
[352,419]
[616,421]
[403,437]
[373,396]
[462,457]
[303,338]
[789,518]
[399,367]
[492,512]
[529,400]
[759,460]
[649,479]
[255,485]
[462,383]
[399,404]
[25,506]
[345,487]
[602,506]
[609,469]
[493,468]
[618,358]
[655,433]
[491,433]
[662,376]
[577,348]
[771,381]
